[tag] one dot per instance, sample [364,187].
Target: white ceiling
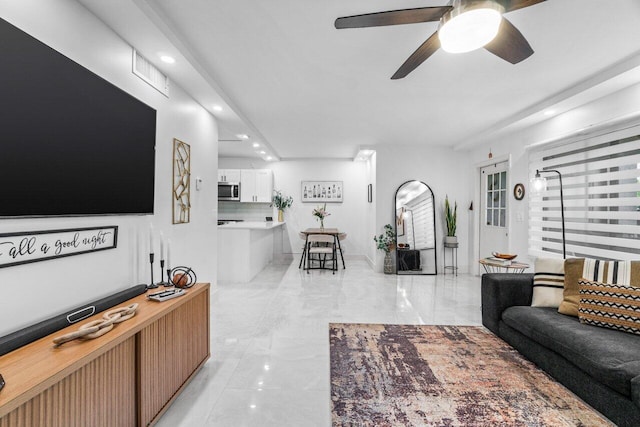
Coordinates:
[301,88]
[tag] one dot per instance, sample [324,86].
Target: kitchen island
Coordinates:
[245,248]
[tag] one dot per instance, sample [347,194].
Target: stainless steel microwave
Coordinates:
[229,191]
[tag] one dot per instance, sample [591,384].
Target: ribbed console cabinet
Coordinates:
[127,377]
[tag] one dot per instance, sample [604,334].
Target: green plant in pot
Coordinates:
[281,203]
[451,218]
[387,242]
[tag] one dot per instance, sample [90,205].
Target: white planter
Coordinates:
[451,239]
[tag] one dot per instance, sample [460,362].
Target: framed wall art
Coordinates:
[400,222]
[181,182]
[33,246]
[322,191]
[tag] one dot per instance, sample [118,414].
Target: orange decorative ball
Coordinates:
[180,280]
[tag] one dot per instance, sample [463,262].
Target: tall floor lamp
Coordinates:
[540,185]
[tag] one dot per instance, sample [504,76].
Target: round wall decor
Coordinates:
[518,191]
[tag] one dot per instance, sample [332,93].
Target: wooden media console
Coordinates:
[127,377]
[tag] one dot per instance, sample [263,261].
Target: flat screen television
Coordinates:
[72,144]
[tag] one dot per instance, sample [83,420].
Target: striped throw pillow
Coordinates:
[613,272]
[548,282]
[609,306]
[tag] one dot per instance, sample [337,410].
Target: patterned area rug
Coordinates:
[402,375]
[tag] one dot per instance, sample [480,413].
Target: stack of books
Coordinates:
[501,261]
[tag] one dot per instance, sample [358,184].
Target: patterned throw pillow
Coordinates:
[612,272]
[609,306]
[548,282]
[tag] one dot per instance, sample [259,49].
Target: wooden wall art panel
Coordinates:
[181,182]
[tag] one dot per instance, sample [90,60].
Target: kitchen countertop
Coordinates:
[251,225]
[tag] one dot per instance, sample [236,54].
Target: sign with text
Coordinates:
[25,247]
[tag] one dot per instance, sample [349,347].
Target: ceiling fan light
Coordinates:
[466,28]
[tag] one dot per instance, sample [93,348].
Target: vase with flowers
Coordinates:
[321,213]
[281,202]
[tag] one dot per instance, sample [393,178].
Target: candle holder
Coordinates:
[162,281]
[151,285]
[169,281]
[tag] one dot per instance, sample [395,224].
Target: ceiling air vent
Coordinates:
[150,74]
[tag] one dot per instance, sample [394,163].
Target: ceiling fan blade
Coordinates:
[426,49]
[519,4]
[509,44]
[392,17]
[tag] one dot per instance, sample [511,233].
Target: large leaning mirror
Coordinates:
[415,229]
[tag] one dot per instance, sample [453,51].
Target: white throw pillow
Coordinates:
[548,282]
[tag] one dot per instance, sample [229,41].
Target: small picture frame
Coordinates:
[518,191]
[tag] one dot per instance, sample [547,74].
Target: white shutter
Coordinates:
[419,227]
[601,186]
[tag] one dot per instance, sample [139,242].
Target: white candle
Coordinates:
[150,238]
[161,245]
[168,254]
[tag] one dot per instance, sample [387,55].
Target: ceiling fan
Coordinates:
[465,25]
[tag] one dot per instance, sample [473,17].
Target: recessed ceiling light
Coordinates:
[363,154]
[269,158]
[549,112]
[256,145]
[168,59]
[242,136]
[217,108]
[263,152]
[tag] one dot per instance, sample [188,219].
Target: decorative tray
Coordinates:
[503,256]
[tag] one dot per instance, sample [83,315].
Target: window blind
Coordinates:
[601,186]
[420,227]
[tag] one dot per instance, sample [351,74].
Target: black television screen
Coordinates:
[72,143]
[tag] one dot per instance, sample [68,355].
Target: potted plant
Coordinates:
[451,218]
[281,203]
[387,243]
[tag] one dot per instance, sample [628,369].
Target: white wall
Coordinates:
[347,216]
[593,115]
[447,172]
[33,292]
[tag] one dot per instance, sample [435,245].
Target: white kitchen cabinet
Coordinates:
[256,185]
[229,175]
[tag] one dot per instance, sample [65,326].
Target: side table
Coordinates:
[494,267]
[454,257]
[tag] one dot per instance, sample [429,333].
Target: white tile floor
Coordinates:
[269,361]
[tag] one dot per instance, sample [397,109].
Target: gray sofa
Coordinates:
[601,366]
